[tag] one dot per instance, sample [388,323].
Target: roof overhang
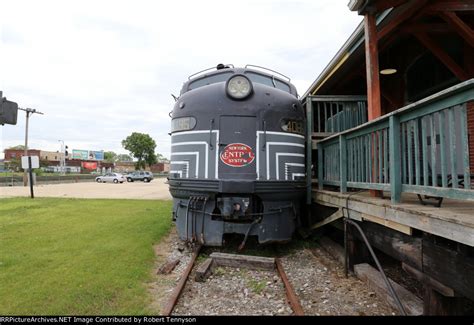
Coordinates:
[354,41]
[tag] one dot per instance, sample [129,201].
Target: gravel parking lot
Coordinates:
[156,189]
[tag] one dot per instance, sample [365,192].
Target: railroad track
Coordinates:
[232,260]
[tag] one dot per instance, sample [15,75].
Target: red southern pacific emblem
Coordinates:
[237,155]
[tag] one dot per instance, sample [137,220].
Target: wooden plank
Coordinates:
[386,4]
[410,153]
[320,119]
[361,159]
[424,150]
[395,179]
[412,304]
[416,136]
[371,160]
[376,148]
[465,148]
[349,159]
[322,134]
[436,304]
[380,156]
[390,224]
[385,156]
[442,146]
[168,266]
[450,267]
[368,158]
[438,221]
[343,162]
[247,261]
[453,193]
[203,270]
[333,217]
[426,27]
[434,174]
[403,152]
[402,247]
[452,147]
[334,249]
[357,251]
[369,186]
[437,51]
[452,6]
[320,167]
[326,129]
[422,277]
[459,26]
[372,66]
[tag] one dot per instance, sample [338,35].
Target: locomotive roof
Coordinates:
[230,68]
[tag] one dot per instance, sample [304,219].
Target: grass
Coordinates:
[75,256]
[257,286]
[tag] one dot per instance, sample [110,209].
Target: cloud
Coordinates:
[101,70]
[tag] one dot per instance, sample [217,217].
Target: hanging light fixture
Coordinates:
[388,71]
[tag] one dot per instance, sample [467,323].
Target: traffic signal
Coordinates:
[8,111]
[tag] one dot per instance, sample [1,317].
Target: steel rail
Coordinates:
[290,293]
[180,286]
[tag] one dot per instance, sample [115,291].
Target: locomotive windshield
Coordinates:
[253,76]
[268,81]
[210,80]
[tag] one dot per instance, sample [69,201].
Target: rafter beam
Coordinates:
[427,28]
[459,26]
[384,5]
[437,51]
[401,17]
[466,5]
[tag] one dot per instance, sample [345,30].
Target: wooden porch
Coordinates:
[454,220]
[390,121]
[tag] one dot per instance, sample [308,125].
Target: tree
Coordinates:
[161,158]
[18,147]
[110,156]
[124,158]
[142,147]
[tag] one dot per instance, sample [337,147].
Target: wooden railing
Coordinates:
[422,148]
[333,114]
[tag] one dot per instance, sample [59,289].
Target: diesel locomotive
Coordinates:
[237,156]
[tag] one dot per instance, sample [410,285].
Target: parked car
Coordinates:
[140,176]
[110,177]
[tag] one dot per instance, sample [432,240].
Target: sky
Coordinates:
[100,70]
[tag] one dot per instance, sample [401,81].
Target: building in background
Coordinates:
[16,154]
[161,167]
[52,155]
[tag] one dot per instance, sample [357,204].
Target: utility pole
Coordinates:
[29,111]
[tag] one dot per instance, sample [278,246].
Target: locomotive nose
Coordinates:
[238,87]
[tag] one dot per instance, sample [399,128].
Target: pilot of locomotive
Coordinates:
[237,156]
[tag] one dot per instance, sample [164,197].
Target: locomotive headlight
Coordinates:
[238,87]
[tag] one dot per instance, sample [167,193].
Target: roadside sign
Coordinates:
[34,162]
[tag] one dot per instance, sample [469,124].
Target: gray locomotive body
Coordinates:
[237,157]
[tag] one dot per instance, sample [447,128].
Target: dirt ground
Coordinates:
[156,189]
